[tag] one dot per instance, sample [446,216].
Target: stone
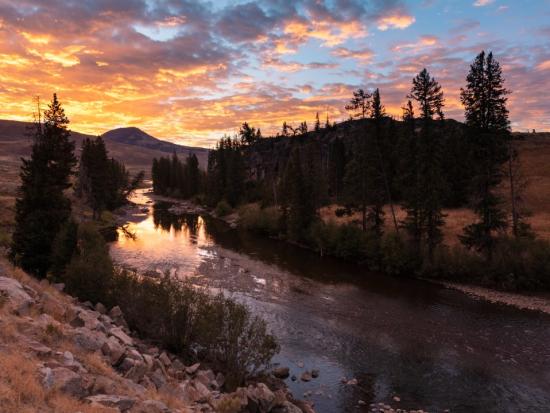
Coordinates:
[178,365]
[52,305]
[115,312]
[120,402]
[86,319]
[88,339]
[192,369]
[19,300]
[165,359]
[206,377]
[396,399]
[66,381]
[150,406]
[137,371]
[126,365]
[39,349]
[134,354]
[220,380]
[306,376]
[290,408]
[113,350]
[103,385]
[262,396]
[122,336]
[281,372]
[100,308]
[352,382]
[158,378]
[149,361]
[59,286]
[314,373]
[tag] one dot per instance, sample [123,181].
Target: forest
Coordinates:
[371,166]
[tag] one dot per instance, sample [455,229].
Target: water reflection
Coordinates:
[435,348]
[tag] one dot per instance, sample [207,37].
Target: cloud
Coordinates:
[398,20]
[483,3]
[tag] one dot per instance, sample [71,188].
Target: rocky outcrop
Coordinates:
[109,367]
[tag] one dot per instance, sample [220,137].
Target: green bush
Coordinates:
[5,238]
[89,274]
[265,221]
[222,209]
[177,315]
[397,256]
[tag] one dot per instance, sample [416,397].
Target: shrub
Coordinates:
[5,238]
[89,274]
[266,221]
[222,209]
[397,256]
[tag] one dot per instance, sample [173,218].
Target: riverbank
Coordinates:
[534,302]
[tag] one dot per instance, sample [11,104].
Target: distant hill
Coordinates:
[137,137]
[130,145]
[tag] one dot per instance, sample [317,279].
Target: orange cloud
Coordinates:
[399,20]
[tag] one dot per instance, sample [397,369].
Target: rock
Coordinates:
[177,365]
[191,392]
[362,403]
[262,396]
[122,336]
[300,364]
[39,349]
[314,373]
[19,300]
[149,361]
[59,286]
[293,378]
[66,381]
[220,380]
[306,376]
[304,406]
[192,369]
[120,402]
[137,371]
[100,308]
[103,385]
[290,408]
[158,378]
[52,305]
[86,319]
[150,406]
[88,339]
[113,350]
[117,316]
[352,382]
[126,365]
[206,377]
[396,399]
[281,372]
[165,359]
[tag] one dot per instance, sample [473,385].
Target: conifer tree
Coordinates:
[484,99]
[42,207]
[317,123]
[431,186]
[360,102]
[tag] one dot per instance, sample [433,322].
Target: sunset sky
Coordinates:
[190,71]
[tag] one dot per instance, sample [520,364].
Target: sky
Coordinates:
[192,71]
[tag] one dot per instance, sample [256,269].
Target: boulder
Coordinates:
[207,378]
[306,376]
[281,372]
[150,406]
[314,373]
[59,286]
[88,339]
[52,305]
[122,336]
[149,361]
[66,381]
[137,371]
[100,308]
[103,385]
[165,359]
[220,380]
[19,300]
[134,354]
[126,365]
[113,350]
[122,403]
[158,378]
[192,369]
[39,349]
[261,396]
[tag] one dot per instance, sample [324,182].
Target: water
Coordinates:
[434,348]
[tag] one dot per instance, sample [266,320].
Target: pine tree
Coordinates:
[42,207]
[431,186]
[317,123]
[360,102]
[484,99]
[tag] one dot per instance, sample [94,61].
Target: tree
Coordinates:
[248,135]
[427,92]
[317,123]
[430,183]
[484,99]
[41,206]
[360,102]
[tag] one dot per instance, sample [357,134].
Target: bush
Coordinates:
[397,256]
[222,209]
[181,318]
[90,271]
[5,238]
[266,221]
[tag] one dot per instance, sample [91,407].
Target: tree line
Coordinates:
[376,166]
[175,178]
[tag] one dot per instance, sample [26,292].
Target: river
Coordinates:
[426,346]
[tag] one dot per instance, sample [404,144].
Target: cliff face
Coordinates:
[59,355]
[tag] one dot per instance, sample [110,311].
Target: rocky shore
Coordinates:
[80,355]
